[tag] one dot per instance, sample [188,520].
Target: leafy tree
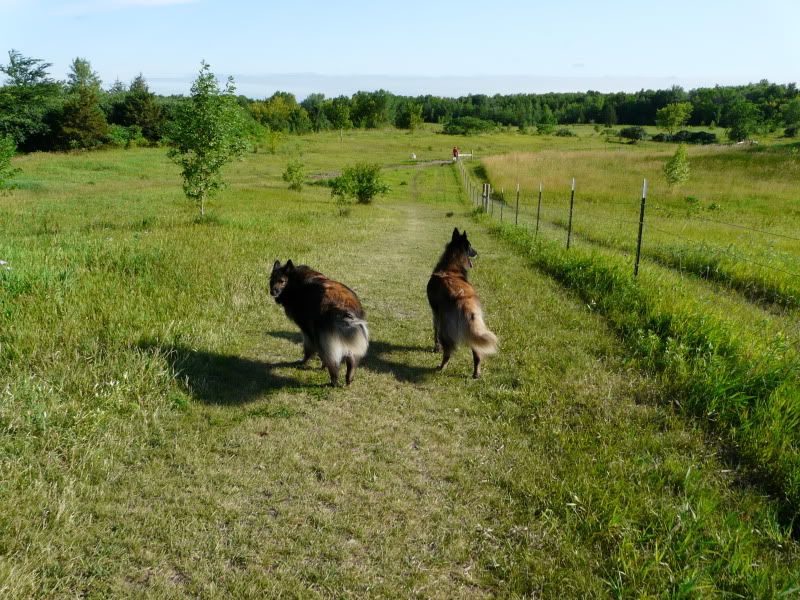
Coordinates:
[26,100]
[676,170]
[409,116]
[82,123]
[295,174]
[790,114]
[140,108]
[338,113]
[361,181]
[7,150]
[547,121]
[81,75]
[314,105]
[673,116]
[281,112]
[609,115]
[205,136]
[743,120]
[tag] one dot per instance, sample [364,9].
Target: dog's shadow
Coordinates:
[223,379]
[379,358]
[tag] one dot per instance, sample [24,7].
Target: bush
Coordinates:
[362,181]
[467,126]
[125,137]
[688,137]
[634,133]
[544,128]
[564,132]
[791,131]
[294,174]
[7,150]
[677,168]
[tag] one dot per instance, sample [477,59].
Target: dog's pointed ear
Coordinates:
[289,265]
[464,234]
[455,234]
[276,265]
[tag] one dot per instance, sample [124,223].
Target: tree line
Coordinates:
[38,112]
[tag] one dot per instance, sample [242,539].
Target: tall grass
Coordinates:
[755,404]
[735,221]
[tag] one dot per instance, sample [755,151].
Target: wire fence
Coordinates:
[748,258]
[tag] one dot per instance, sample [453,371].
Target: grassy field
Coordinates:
[157,441]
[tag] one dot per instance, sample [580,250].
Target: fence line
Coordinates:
[486,203]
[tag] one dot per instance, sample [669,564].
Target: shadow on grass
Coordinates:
[223,378]
[378,358]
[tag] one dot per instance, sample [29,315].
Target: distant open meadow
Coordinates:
[634,436]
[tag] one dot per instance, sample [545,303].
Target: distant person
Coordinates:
[455,153]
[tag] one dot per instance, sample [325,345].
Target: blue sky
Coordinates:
[411,47]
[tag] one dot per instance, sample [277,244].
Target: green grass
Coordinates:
[155,440]
[735,221]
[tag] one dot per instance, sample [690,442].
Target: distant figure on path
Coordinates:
[455,153]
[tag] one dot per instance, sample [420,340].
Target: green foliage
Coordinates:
[281,112]
[26,100]
[634,133]
[206,135]
[467,126]
[565,132]
[82,123]
[294,174]
[743,120]
[125,137]
[81,75]
[673,116]
[609,114]
[676,170]
[409,116]
[361,181]
[140,108]
[7,150]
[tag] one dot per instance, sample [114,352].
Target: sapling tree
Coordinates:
[206,134]
[677,168]
[673,116]
[295,174]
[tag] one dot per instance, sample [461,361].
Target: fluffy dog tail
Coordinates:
[478,337]
[349,336]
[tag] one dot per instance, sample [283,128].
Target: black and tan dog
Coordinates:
[327,312]
[457,314]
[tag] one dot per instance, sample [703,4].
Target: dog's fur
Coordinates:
[328,313]
[457,314]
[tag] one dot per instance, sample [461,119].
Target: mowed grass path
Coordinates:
[156,442]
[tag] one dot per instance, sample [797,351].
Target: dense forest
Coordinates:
[38,112]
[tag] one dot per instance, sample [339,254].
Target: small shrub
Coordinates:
[634,133]
[361,181]
[677,168]
[544,128]
[565,132]
[467,126]
[791,131]
[294,174]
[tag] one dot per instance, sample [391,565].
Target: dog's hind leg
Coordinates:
[308,349]
[476,359]
[333,371]
[447,352]
[437,344]
[351,369]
